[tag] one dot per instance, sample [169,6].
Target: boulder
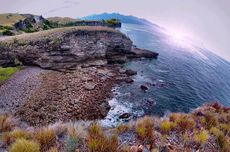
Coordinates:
[124,116]
[144,87]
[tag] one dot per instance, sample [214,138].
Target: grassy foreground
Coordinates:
[6,73]
[205,129]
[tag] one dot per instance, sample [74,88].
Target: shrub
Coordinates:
[22,145]
[144,128]
[6,122]
[174,117]
[71,144]
[46,137]
[211,120]
[7,33]
[6,139]
[201,137]
[166,126]
[185,122]
[19,134]
[215,131]
[225,127]
[123,128]
[98,142]
[223,143]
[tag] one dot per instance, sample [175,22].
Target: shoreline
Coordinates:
[81,94]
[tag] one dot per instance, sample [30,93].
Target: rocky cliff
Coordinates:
[68,48]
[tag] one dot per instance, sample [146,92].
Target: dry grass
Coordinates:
[185,122]
[55,33]
[201,137]
[22,145]
[123,128]
[98,142]
[20,134]
[9,19]
[46,137]
[145,128]
[166,126]
[6,123]
[61,20]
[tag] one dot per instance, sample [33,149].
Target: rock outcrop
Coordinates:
[68,48]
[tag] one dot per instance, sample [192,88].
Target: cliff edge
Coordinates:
[70,47]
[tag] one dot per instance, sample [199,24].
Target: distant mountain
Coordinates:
[123,18]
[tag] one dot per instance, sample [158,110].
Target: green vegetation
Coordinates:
[6,73]
[112,22]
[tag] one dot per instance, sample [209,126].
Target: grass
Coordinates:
[20,134]
[46,137]
[6,123]
[10,19]
[99,142]
[6,73]
[145,128]
[201,137]
[123,128]
[194,131]
[166,126]
[22,145]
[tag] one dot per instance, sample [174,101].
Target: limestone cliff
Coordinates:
[68,48]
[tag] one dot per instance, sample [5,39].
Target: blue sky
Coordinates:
[206,21]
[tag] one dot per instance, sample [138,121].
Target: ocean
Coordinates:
[183,77]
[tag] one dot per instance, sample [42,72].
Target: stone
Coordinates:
[130,72]
[128,80]
[89,85]
[144,87]
[124,116]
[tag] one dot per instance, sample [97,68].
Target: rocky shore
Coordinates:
[78,68]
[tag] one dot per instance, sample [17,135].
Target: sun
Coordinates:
[178,37]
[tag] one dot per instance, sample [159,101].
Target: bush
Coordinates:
[98,142]
[6,139]
[71,144]
[223,143]
[144,128]
[211,120]
[201,137]
[7,33]
[46,137]
[19,134]
[123,128]
[166,126]
[185,122]
[22,145]
[6,122]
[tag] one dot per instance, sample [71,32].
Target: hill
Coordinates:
[123,18]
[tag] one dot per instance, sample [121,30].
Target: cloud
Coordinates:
[56,9]
[71,2]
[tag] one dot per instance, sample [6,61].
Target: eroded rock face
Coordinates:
[67,49]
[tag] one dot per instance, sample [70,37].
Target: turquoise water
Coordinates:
[181,79]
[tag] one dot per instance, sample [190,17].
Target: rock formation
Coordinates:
[68,48]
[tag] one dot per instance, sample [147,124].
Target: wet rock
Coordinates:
[124,116]
[144,87]
[130,72]
[128,80]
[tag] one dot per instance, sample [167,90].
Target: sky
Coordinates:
[205,21]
